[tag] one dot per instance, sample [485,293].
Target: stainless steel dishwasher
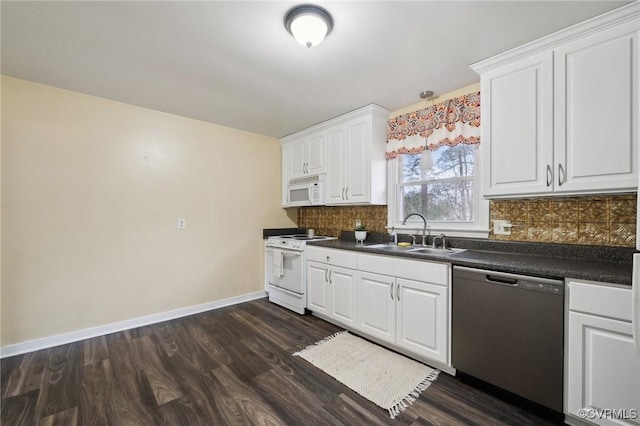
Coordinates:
[507,330]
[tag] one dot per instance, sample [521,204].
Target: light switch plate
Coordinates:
[502,227]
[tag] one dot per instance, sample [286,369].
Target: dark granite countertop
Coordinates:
[274,232]
[604,264]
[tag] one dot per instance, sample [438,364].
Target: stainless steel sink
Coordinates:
[389,247]
[417,250]
[436,251]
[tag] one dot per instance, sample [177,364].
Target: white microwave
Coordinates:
[307,191]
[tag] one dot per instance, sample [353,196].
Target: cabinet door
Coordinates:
[422,316]
[603,367]
[377,304]
[298,153]
[343,295]
[517,127]
[316,153]
[335,171]
[357,161]
[596,114]
[317,287]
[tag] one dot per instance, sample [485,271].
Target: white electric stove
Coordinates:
[286,277]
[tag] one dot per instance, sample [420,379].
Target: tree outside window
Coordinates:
[442,191]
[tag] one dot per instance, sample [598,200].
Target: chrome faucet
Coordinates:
[442,237]
[424,229]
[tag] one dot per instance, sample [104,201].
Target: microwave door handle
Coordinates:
[309,194]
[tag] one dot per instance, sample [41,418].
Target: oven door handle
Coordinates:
[284,250]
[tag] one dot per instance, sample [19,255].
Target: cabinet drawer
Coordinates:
[419,270]
[343,258]
[612,302]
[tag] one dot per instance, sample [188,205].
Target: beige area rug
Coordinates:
[387,379]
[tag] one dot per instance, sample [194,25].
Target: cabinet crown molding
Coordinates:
[372,109]
[627,13]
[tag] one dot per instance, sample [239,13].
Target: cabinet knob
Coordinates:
[328,258]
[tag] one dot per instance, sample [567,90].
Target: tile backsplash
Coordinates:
[608,220]
[331,220]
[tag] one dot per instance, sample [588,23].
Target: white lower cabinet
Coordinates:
[404,303]
[412,315]
[602,366]
[377,306]
[342,295]
[317,287]
[422,318]
[331,289]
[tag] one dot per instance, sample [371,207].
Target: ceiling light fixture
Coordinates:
[426,95]
[308,24]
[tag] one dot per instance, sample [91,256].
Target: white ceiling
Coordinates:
[233,63]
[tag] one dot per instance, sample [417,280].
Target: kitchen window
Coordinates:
[433,168]
[442,185]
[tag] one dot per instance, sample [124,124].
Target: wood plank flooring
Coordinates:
[224,367]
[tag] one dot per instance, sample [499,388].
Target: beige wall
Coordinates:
[91,193]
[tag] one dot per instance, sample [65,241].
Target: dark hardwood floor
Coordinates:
[224,367]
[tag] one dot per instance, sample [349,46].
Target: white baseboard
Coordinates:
[87,333]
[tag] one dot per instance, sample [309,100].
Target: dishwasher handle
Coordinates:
[501,280]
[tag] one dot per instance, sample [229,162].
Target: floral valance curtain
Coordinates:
[452,122]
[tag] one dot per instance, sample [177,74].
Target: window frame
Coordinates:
[478,228]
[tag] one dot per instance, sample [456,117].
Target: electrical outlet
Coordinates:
[502,227]
[182,223]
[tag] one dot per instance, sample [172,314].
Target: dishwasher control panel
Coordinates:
[543,287]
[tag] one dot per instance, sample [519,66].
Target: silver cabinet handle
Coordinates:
[549,175]
[391,291]
[562,176]
[325,275]
[398,292]
[304,168]
[343,193]
[330,276]
[347,193]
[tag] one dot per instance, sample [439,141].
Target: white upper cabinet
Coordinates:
[596,115]
[517,119]
[353,177]
[560,115]
[350,149]
[306,155]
